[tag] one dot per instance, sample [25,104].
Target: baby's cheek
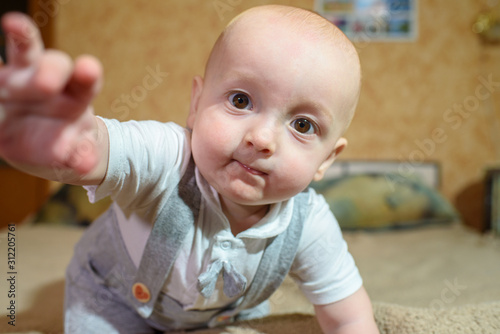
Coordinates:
[295,177]
[218,134]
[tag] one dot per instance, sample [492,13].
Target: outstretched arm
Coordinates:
[352,315]
[47,125]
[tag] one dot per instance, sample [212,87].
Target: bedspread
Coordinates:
[431,270]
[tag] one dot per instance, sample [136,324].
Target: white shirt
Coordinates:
[145,163]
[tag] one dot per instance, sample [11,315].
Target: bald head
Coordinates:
[301,32]
[297,20]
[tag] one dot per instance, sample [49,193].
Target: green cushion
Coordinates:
[381,201]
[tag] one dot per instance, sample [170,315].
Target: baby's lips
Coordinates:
[252,170]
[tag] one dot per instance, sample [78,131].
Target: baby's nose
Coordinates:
[262,138]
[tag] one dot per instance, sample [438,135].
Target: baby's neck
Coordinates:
[242,217]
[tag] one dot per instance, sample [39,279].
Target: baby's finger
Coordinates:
[39,83]
[53,73]
[24,43]
[3,114]
[86,80]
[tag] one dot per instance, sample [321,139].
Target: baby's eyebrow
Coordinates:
[320,111]
[239,75]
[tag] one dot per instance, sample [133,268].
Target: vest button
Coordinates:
[223,318]
[141,292]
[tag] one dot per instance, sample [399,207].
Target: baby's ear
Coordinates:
[195,99]
[339,147]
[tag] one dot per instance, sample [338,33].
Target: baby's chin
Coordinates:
[246,200]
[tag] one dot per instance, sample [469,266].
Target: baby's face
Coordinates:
[268,117]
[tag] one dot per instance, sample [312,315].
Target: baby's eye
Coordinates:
[240,101]
[304,126]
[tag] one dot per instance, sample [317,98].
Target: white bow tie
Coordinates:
[234,282]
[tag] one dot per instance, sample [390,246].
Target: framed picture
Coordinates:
[492,200]
[372,20]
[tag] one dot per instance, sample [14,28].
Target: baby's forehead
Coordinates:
[267,25]
[296,21]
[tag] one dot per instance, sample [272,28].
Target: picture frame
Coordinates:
[372,20]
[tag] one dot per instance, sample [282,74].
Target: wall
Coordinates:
[419,99]
[412,92]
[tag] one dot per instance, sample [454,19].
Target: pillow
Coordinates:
[70,206]
[381,201]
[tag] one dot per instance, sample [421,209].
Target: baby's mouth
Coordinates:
[251,170]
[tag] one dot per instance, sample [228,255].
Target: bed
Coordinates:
[426,275]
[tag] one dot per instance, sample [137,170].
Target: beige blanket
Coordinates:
[391,319]
[428,280]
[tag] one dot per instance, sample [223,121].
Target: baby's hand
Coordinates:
[46,121]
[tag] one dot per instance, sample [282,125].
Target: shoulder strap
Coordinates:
[167,235]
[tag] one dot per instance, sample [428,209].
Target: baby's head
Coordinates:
[301,35]
[280,88]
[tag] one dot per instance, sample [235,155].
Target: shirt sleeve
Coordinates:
[323,268]
[146,159]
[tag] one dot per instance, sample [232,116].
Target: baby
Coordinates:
[206,221]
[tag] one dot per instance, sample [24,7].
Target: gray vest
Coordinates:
[163,245]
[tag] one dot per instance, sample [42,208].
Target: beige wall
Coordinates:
[413,94]
[411,91]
